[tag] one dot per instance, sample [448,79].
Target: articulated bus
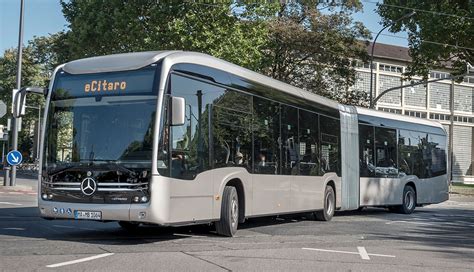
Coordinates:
[178,138]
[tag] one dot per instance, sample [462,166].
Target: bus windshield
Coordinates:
[101,118]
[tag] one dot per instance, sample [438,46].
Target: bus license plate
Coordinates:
[88,215]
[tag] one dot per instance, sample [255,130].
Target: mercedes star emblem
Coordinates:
[88,186]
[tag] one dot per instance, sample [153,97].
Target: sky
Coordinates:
[43,17]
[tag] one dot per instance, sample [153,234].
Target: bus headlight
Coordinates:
[144,199]
[136,199]
[50,196]
[44,196]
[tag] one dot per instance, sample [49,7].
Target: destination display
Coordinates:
[138,82]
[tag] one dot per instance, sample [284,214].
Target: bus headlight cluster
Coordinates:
[47,196]
[137,199]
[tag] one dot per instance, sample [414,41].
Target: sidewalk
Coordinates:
[24,183]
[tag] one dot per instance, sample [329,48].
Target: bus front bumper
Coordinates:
[107,212]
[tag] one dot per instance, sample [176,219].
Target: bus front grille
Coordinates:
[101,186]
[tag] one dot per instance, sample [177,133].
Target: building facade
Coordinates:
[430,101]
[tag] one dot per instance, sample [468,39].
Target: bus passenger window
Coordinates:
[309,144]
[330,152]
[366,151]
[386,152]
[232,130]
[289,140]
[266,128]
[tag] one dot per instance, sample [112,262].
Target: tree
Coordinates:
[32,75]
[440,35]
[315,50]
[293,42]
[116,26]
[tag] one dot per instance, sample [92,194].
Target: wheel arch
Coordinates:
[413,185]
[239,186]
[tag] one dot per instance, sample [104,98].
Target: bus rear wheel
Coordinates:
[329,205]
[408,201]
[227,225]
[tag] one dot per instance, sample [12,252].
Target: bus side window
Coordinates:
[330,151]
[309,144]
[266,130]
[289,140]
[366,151]
[386,152]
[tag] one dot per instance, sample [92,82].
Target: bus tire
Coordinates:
[408,200]
[329,205]
[130,226]
[227,225]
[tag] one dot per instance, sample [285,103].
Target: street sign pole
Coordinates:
[15,121]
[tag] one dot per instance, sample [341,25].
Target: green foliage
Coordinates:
[293,42]
[314,50]
[441,34]
[105,27]
[33,74]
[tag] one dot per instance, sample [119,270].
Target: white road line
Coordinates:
[80,260]
[14,228]
[409,222]
[10,203]
[65,227]
[189,235]
[333,251]
[363,253]
[381,255]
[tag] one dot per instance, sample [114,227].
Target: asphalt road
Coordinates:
[435,238]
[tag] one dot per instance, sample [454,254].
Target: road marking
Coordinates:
[80,260]
[361,252]
[66,227]
[10,203]
[189,235]
[14,228]
[408,222]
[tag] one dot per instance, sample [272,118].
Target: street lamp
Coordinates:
[372,53]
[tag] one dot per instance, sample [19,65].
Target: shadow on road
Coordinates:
[443,228]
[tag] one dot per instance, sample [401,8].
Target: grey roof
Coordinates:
[116,62]
[388,51]
[131,61]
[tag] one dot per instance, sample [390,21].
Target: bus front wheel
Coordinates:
[227,225]
[329,205]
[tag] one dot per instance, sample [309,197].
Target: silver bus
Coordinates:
[178,138]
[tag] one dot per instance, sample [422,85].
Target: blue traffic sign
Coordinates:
[14,157]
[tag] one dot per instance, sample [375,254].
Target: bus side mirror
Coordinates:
[19,99]
[178,111]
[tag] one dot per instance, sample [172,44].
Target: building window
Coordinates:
[396,111]
[439,75]
[390,68]
[416,114]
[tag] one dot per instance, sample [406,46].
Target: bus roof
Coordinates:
[398,117]
[136,60]
[132,61]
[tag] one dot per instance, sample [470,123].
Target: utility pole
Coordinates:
[16,121]
[451,132]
